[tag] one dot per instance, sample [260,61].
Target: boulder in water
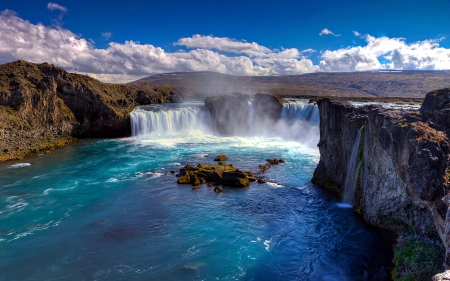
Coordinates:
[261,180]
[218,190]
[184,179]
[275,161]
[235,179]
[221,157]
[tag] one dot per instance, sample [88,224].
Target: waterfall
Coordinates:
[169,120]
[302,111]
[353,168]
[250,117]
[298,121]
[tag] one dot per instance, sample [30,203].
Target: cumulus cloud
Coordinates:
[356,33]
[394,52]
[326,31]
[224,44]
[129,61]
[107,35]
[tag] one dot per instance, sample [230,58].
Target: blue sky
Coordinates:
[122,41]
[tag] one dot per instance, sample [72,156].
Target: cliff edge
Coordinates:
[42,106]
[401,175]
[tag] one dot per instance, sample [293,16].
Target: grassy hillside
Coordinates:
[411,84]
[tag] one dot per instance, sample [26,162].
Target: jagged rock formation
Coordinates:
[43,106]
[404,156]
[232,114]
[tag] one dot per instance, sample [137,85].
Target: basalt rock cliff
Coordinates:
[42,106]
[403,163]
[232,114]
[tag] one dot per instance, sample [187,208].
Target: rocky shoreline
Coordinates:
[43,107]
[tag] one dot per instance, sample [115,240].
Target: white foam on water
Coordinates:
[19,165]
[274,184]
[344,205]
[267,244]
[48,190]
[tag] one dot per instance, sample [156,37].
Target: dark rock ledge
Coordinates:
[403,177]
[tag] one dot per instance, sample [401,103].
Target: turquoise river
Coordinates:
[111,209]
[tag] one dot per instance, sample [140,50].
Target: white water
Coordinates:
[170,120]
[298,122]
[352,172]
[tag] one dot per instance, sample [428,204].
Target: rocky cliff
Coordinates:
[402,163]
[42,106]
[232,114]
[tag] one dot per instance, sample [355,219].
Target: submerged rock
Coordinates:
[275,161]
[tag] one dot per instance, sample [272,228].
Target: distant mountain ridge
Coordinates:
[380,83]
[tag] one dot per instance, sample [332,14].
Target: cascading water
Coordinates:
[302,111]
[298,122]
[169,120]
[353,168]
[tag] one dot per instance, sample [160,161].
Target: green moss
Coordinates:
[329,185]
[417,258]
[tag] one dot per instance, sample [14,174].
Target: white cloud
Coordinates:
[107,35]
[326,31]
[53,6]
[63,10]
[394,52]
[128,61]
[356,33]
[223,44]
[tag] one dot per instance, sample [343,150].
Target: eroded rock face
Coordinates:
[229,113]
[403,165]
[267,110]
[232,115]
[42,106]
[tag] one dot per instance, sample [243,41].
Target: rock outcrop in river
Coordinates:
[233,115]
[42,106]
[402,177]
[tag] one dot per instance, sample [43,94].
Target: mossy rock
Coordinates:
[186,179]
[221,157]
[417,258]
